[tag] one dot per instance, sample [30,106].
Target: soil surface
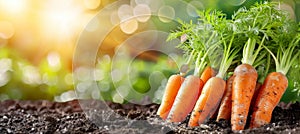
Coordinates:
[69,117]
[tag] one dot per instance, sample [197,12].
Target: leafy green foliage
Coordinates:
[144,78]
[250,30]
[206,39]
[292,93]
[22,80]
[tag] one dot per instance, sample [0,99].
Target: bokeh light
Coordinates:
[193,6]
[92,4]
[142,12]
[125,12]
[53,59]
[114,18]
[104,86]
[166,14]
[5,65]
[289,9]
[117,97]
[31,75]
[69,79]
[4,78]
[129,26]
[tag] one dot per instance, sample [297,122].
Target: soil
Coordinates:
[69,117]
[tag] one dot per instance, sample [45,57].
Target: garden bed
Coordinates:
[68,117]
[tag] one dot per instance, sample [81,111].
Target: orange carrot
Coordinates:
[243,87]
[214,88]
[275,83]
[185,99]
[268,97]
[170,93]
[207,73]
[206,104]
[225,107]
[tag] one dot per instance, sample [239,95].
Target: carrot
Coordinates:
[268,97]
[275,83]
[185,99]
[225,107]
[246,76]
[208,100]
[207,74]
[170,93]
[243,87]
[173,85]
[214,88]
[188,93]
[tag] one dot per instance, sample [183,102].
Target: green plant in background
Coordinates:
[230,6]
[19,79]
[147,78]
[292,93]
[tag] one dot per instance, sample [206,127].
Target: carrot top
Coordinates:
[252,36]
[286,55]
[261,24]
[200,41]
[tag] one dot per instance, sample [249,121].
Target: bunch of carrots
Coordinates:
[234,75]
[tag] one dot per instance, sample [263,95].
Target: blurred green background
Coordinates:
[38,40]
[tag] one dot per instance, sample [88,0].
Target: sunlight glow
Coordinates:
[13,6]
[60,18]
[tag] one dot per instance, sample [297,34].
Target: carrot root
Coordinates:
[225,107]
[185,99]
[268,97]
[243,87]
[169,96]
[208,101]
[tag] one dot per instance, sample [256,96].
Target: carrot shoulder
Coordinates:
[268,97]
[243,87]
[170,93]
[210,97]
[185,99]
[225,106]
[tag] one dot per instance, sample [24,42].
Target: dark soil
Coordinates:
[68,117]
